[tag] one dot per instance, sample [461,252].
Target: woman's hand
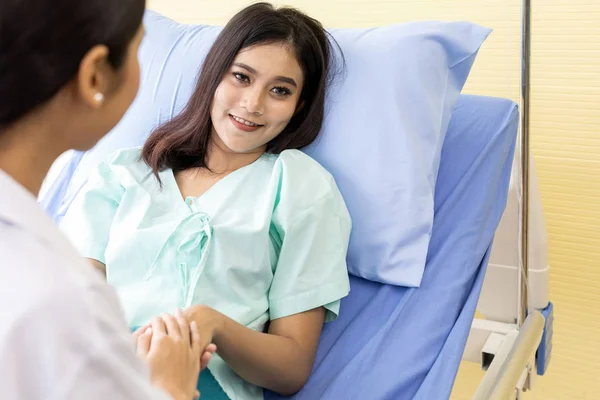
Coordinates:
[208,321]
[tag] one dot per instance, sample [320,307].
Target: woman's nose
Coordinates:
[253,101]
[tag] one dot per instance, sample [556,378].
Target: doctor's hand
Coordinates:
[206,356]
[171,347]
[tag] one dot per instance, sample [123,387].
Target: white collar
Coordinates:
[19,207]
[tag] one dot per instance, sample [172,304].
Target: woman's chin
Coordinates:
[243,147]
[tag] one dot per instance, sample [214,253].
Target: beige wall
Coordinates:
[565,132]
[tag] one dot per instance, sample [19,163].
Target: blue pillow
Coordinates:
[385,124]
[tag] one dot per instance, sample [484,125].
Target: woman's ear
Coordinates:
[94,76]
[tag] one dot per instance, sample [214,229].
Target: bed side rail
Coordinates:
[514,363]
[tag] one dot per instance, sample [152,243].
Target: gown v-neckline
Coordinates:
[188,200]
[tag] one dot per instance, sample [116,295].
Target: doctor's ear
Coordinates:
[96,77]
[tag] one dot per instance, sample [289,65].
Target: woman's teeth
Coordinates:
[243,121]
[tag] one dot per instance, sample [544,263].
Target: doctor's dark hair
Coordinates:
[42,43]
[182,142]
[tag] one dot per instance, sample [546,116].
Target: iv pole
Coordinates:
[523,277]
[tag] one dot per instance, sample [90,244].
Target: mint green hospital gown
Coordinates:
[266,241]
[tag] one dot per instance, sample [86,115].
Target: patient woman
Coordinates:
[221,216]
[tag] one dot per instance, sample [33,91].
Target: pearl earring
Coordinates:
[99,97]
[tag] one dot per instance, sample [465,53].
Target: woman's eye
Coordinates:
[281,91]
[241,77]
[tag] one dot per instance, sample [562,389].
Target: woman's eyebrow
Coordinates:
[246,67]
[283,79]
[287,80]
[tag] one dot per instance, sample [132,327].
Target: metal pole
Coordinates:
[523,278]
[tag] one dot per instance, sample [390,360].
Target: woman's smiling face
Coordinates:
[256,98]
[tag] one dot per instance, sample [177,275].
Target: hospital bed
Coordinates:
[395,342]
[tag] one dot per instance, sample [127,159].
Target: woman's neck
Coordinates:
[222,161]
[26,156]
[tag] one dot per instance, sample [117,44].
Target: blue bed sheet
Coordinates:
[406,343]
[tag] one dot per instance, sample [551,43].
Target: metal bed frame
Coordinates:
[512,365]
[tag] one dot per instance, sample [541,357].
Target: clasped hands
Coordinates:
[176,349]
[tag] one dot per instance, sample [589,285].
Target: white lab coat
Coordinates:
[62,333]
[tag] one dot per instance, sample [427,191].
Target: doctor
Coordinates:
[68,73]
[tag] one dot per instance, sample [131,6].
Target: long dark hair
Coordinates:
[43,42]
[183,141]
